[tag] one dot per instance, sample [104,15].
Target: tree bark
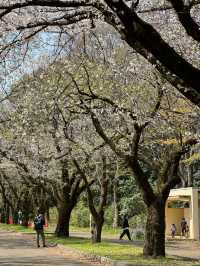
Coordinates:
[25,220]
[48,215]
[6,213]
[98,235]
[190,176]
[115,206]
[99,225]
[155,229]
[64,214]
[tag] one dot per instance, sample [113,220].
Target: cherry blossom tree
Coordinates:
[132,134]
[139,24]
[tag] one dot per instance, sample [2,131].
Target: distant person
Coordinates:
[19,217]
[173,230]
[39,228]
[183,227]
[187,231]
[125,228]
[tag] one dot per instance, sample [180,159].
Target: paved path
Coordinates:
[16,250]
[184,248]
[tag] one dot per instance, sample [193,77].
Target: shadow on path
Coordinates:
[40,260]
[16,250]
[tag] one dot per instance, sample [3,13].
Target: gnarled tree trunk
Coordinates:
[99,221]
[99,230]
[155,229]
[5,213]
[115,205]
[64,214]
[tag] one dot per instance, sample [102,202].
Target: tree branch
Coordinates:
[138,33]
[185,18]
[170,175]
[89,192]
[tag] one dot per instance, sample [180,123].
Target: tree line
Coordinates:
[90,113]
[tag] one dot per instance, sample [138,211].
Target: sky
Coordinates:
[40,53]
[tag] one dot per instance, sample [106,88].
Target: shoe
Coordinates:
[44,246]
[38,246]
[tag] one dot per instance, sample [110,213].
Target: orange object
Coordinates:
[10,220]
[30,224]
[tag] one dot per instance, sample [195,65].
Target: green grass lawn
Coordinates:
[119,252]
[21,229]
[16,228]
[115,251]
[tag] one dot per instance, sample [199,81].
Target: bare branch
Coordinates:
[185,18]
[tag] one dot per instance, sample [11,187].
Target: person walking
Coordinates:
[39,228]
[125,228]
[187,231]
[20,216]
[183,226]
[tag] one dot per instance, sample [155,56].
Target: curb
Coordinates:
[96,258]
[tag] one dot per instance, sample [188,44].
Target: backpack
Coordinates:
[38,223]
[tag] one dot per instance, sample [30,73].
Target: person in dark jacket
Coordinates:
[183,226]
[39,223]
[125,227]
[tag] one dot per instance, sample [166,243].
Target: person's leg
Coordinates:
[122,234]
[43,238]
[38,238]
[128,234]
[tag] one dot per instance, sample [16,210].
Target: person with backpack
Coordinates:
[125,228]
[39,223]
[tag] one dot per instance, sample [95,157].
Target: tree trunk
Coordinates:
[15,217]
[190,176]
[99,231]
[25,219]
[96,232]
[115,206]
[99,221]
[155,229]
[62,228]
[48,215]
[7,213]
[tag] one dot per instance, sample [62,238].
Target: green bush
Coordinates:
[138,221]
[80,216]
[108,217]
[139,235]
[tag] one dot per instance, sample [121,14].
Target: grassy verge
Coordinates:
[115,251]
[21,229]
[120,252]
[16,228]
